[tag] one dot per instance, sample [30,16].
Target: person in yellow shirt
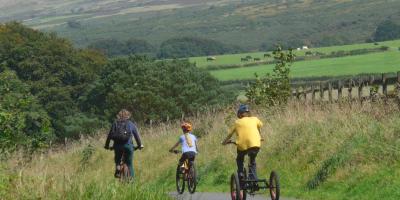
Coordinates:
[248,139]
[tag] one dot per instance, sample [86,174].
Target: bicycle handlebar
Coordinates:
[134,148]
[233,142]
[229,142]
[175,151]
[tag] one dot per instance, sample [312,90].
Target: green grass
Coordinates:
[356,147]
[352,65]
[234,59]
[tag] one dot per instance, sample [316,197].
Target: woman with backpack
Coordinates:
[121,133]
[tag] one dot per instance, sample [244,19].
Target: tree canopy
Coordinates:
[192,46]
[154,90]
[387,30]
[49,89]
[113,47]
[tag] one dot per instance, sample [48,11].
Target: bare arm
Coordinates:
[173,147]
[227,139]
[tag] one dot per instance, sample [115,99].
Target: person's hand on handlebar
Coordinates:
[141,147]
[108,148]
[174,151]
[228,142]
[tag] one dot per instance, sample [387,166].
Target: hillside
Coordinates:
[250,24]
[321,152]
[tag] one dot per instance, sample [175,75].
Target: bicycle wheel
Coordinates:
[243,186]
[274,188]
[124,173]
[180,181]
[236,193]
[192,179]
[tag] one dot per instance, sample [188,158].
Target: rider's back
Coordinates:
[247,132]
[185,145]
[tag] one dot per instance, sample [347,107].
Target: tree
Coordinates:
[23,121]
[56,73]
[273,89]
[192,46]
[154,90]
[387,30]
[113,47]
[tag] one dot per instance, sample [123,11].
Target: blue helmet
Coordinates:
[243,108]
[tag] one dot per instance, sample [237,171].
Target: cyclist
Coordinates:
[248,139]
[121,133]
[188,142]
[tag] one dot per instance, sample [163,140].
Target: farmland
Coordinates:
[234,59]
[380,62]
[375,63]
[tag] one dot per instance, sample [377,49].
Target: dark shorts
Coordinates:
[190,155]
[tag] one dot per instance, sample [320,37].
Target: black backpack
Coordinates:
[120,133]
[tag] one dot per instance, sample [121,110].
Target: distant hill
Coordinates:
[249,24]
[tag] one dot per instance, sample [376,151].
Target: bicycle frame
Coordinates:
[186,173]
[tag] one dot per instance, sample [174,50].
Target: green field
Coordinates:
[352,65]
[234,59]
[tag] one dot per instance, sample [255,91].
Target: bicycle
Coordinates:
[241,186]
[186,172]
[123,172]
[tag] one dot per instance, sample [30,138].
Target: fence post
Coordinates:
[384,85]
[330,92]
[313,94]
[321,91]
[340,88]
[371,84]
[398,77]
[350,89]
[297,94]
[305,95]
[398,89]
[360,88]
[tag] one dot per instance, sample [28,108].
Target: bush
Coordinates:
[387,30]
[273,89]
[23,122]
[154,90]
[81,124]
[113,47]
[53,72]
[191,46]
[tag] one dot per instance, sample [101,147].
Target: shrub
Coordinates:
[154,90]
[23,122]
[273,89]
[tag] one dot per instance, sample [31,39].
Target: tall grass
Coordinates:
[347,151]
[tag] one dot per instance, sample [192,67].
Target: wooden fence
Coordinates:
[308,91]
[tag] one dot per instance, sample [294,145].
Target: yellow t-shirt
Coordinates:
[247,132]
